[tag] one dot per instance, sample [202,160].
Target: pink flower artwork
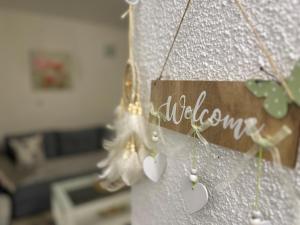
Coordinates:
[51,70]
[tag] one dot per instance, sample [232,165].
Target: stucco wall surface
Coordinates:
[214,44]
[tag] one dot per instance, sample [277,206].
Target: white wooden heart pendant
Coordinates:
[195,198]
[154,167]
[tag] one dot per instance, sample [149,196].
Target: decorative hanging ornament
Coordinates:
[268,144]
[262,144]
[155,164]
[194,192]
[127,150]
[123,166]
[276,97]
[231,111]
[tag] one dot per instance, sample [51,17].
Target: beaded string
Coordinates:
[194,164]
[194,157]
[258,177]
[195,132]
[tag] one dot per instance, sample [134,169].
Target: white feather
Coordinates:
[143,153]
[130,169]
[118,171]
[104,174]
[132,124]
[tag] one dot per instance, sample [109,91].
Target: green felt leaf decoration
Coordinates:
[294,83]
[276,99]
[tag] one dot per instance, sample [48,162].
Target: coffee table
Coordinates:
[77,201]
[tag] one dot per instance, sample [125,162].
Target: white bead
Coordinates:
[155,137]
[194,171]
[154,133]
[189,113]
[193,178]
[256,221]
[256,215]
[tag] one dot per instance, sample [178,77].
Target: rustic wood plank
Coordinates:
[234,99]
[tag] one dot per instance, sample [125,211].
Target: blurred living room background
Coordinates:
[61,66]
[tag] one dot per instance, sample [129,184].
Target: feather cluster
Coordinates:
[126,152]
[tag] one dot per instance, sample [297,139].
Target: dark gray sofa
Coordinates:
[68,154]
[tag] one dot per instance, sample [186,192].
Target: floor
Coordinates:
[41,219]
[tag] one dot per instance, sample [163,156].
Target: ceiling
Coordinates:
[98,11]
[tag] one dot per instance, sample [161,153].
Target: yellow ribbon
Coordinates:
[268,143]
[196,131]
[157,115]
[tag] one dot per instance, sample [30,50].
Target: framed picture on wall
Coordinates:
[51,70]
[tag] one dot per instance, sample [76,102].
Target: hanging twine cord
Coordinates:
[130,33]
[135,83]
[196,133]
[174,39]
[261,44]
[263,47]
[194,155]
[131,60]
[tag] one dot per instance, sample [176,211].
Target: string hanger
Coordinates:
[263,47]
[174,39]
[261,44]
[131,82]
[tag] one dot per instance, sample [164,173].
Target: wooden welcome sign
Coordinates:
[230,103]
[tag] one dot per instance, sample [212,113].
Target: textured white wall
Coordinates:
[214,44]
[96,78]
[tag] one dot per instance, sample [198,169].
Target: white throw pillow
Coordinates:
[29,151]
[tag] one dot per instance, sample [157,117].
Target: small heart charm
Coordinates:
[195,198]
[154,167]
